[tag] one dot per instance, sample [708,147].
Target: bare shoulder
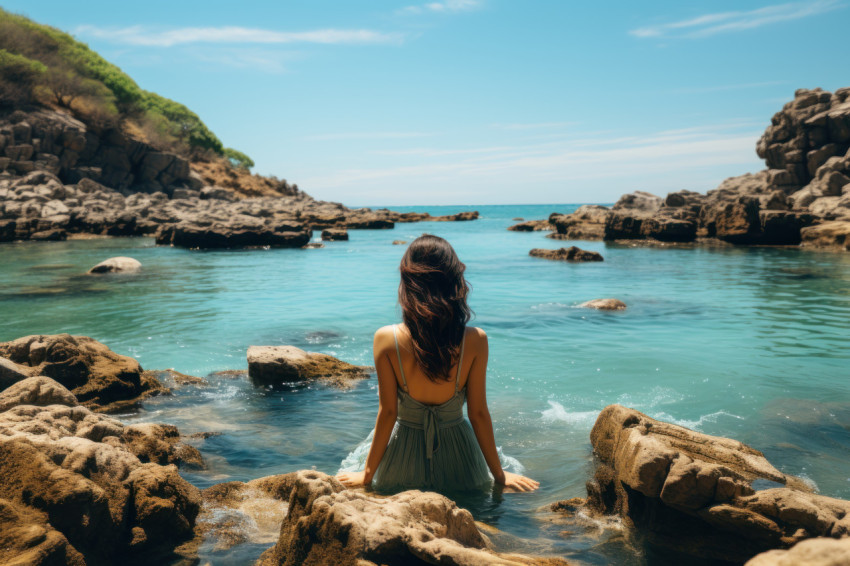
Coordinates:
[384,338]
[476,338]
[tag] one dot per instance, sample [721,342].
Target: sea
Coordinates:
[743,342]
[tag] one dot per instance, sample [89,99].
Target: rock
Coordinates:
[160,444]
[99,378]
[821,551]
[12,373]
[175,378]
[399,242]
[640,201]
[369,222]
[586,223]
[39,391]
[185,194]
[49,235]
[217,193]
[223,236]
[699,494]
[834,234]
[313,246]
[604,304]
[71,489]
[277,365]
[459,217]
[327,524]
[334,234]
[117,265]
[531,226]
[566,254]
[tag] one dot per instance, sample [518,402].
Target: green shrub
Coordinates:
[238,159]
[18,78]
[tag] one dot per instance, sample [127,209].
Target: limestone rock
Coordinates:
[640,201]
[698,494]
[531,226]
[276,365]
[566,254]
[188,235]
[117,265]
[586,223]
[98,377]
[334,234]
[11,373]
[604,305]
[68,480]
[820,551]
[39,391]
[327,524]
[834,234]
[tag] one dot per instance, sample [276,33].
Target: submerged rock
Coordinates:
[567,254]
[698,494]
[276,365]
[604,304]
[117,265]
[98,377]
[327,524]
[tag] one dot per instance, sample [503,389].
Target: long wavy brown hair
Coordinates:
[432,295]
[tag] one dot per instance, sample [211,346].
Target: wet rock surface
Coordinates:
[604,305]
[328,524]
[702,495]
[815,552]
[572,253]
[278,365]
[117,265]
[99,378]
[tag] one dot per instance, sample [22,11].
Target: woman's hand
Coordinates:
[352,479]
[516,482]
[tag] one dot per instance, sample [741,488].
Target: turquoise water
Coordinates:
[748,343]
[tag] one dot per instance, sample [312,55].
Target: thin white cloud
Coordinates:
[143,36]
[444,7]
[725,22]
[366,136]
[666,160]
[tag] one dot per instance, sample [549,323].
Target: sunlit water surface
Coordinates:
[749,343]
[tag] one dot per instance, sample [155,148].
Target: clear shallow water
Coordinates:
[747,343]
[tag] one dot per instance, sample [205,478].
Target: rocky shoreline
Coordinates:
[801,198]
[60,178]
[80,487]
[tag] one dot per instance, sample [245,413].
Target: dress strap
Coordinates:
[460,361]
[398,353]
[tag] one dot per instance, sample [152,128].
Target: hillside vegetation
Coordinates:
[45,66]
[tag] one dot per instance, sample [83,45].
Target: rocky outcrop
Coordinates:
[566,254]
[814,552]
[604,305]
[805,186]
[334,234]
[586,223]
[277,365]
[228,235]
[77,487]
[117,265]
[531,226]
[38,391]
[99,378]
[328,524]
[702,495]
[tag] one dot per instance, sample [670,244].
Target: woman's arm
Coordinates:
[382,346]
[482,424]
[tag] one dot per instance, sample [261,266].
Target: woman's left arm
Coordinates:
[387,411]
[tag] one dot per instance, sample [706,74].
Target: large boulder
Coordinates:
[833,234]
[278,365]
[98,377]
[334,234]
[531,226]
[571,253]
[72,489]
[702,495]
[639,201]
[188,235]
[11,373]
[586,223]
[39,391]
[328,524]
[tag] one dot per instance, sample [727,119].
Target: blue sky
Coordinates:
[475,101]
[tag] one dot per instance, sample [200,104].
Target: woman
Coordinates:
[426,368]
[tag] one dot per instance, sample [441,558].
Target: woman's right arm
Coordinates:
[482,424]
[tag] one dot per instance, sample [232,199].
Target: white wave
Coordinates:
[356,459]
[509,463]
[697,424]
[557,412]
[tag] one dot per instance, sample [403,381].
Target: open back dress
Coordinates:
[432,447]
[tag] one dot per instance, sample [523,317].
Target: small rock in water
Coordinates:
[117,265]
[277,365]
[571,253]
[604,304]
[314,246]
[399,242]
[332,234]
